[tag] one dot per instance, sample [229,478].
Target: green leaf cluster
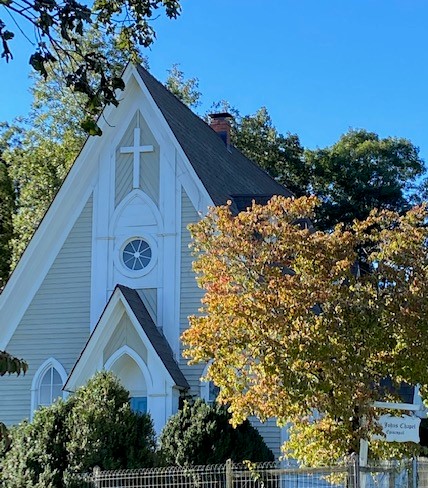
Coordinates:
[282,156]
[11,365]
[61,29]
[202,434]
[184,89]
[361,172]
[7,209]
[94,427]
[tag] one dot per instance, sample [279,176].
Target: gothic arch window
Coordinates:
[209,391]
[47,384]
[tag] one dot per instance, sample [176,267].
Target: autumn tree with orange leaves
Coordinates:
[296,330]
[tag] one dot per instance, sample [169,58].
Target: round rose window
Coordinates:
[136,254]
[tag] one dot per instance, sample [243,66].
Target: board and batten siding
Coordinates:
[149,162]
[125,335]
[190,293]
[56,323]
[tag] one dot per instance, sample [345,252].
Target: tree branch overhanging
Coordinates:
[60,27]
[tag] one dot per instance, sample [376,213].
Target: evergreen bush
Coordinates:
[202,434]
[94,427]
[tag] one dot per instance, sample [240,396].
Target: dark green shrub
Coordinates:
[105,432]
[95,427]
[202,434]
[38,456]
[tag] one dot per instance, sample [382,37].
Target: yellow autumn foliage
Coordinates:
[297,331]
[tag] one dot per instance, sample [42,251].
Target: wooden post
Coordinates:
[229,474]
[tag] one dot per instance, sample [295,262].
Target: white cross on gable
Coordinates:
[136,149]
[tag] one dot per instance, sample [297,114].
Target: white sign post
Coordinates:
[396,429]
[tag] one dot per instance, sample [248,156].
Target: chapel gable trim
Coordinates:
[157,339]
[153,338]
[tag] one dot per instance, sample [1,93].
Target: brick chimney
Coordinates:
[221,124]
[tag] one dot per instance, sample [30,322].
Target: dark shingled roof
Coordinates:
[157,339]
[224,171]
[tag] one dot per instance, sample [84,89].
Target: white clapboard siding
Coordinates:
[56,324]
[190,293]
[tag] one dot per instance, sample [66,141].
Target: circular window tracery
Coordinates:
[137,254]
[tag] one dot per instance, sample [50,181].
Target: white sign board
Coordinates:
[399,429]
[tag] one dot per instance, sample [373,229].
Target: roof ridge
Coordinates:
[223,171]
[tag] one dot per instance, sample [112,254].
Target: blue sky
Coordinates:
[319,66]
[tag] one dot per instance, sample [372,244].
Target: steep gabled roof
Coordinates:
[225,172]
[154,336]
[157,340]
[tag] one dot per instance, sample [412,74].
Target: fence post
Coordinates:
[414,472]
[96,476]
[392,475]
[353,471]
[229,474]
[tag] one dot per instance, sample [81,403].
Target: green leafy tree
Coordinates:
[38,165]
[361,172]
[291,329]
[202,434]
[60,29]
[9,365]
[184,89]
[105,432]
[95,427]
[281,156]
[40,149]
[7,208]
[257,137]
[357,174]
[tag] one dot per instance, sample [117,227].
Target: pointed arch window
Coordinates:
[47,384]
[50,388]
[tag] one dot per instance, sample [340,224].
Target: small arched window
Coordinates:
[213,392]
[47,384]
[50,388]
